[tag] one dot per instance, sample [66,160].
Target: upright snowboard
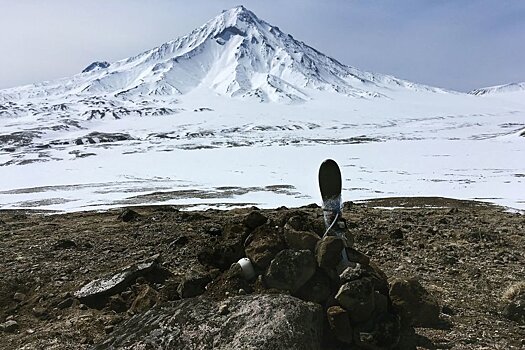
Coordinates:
[330,184]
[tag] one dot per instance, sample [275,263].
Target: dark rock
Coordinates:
[414,304]
[515,309]
[64,304]
[396,234]
[221,256]
[145,300]
[356,256]
[64,244]
[94,293]
[169,292]
[339,322]
[317,289]
[214,231]
[300,240]
[96,66]
[178,242]
[117,303]
[262,245]
[250,323]
[382,333]
[128,215]
[108,329]
[290,269]
[357,297]
[328,252]
[255,219]
[194,283]
[10,326]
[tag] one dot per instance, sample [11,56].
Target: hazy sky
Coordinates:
[454,44]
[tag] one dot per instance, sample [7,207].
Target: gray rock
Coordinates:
[10,326]
[95,292]
[252,322]
[290,270]
[414,304]
[357,297]
[329,252]
[351,273]
[263,244]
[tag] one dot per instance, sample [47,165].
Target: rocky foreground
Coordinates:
[432,273]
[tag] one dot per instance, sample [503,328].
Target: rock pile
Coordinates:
[299,294]
[354,294]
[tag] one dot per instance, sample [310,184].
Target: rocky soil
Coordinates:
[159,277]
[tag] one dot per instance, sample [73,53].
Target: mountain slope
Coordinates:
[499,89]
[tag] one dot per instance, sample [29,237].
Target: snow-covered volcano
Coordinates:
[235,54]
[238,112]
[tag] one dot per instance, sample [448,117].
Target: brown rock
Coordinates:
[263,244]
[300,240]
[145,300]
[329,252]
[414,304]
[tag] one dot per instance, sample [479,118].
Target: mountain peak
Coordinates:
[235,54]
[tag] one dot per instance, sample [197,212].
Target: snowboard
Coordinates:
[330,184]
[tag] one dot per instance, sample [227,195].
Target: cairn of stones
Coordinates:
[354,294]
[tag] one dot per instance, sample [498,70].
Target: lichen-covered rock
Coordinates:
[357,297]
[414,304]
[290,269]
[252,322]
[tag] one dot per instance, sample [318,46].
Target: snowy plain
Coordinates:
[238,113]
[268,155]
